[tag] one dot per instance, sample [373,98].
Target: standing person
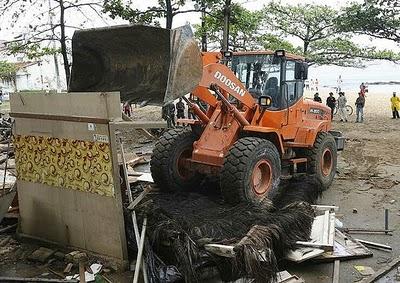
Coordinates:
[339,84]
[331,103]
[395,101]
[307,84]
[363,89]
[1,96]
[168,114]
[360,103]
[342,101]
[317,98]
[180,109]
[127,109]
[316,84]
[171,114]
[312,84]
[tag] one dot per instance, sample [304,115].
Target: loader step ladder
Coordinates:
[298,163]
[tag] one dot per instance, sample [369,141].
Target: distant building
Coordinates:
[32,74]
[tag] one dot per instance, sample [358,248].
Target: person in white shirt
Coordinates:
[339,84]
[342,102]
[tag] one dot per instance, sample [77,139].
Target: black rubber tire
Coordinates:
[323,141]
[236,173]
[349,110]
[164,160]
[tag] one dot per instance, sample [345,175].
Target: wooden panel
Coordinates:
[79,219]
[58,129]
[88,104]
[62,214]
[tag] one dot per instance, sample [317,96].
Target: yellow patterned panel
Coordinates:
[65,163]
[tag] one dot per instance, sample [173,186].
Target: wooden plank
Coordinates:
[331,233]
[139,198]
[59,118]
[336,271]
[325,207]
[375,245]
[140,124]
[118,192]
[381,271]
[104,105]
[146,177]
[322,233]
[303,254]
[58,129]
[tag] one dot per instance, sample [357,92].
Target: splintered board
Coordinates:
[345,248]
[322,232]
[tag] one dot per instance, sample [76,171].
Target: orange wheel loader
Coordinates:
[256,128]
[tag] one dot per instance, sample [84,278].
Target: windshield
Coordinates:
[259,73]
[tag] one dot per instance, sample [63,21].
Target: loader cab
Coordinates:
[266,73]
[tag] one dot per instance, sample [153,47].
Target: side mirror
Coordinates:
[301,71]
[265,101]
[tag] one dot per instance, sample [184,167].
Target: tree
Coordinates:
[245,32]
[49,25]
[8,72]
[166,9]
[323,40]
[377,18]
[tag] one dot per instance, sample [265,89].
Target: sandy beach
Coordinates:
[377,103]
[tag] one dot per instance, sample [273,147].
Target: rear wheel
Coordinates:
[251,171]
[349,110]
[168,163]
[322,159]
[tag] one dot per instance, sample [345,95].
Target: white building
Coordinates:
[32,74]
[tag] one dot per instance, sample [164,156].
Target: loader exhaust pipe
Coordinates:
[141,62]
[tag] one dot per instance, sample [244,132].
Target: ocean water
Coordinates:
[377,71]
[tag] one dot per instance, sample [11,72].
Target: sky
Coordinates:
[327,74]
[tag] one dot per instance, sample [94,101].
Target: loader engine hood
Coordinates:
[143,63]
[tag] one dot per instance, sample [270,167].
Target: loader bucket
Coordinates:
[143,63]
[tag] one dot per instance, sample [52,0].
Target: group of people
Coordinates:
[168,112]
[311,85]
[341,103]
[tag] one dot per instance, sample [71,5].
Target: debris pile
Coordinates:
[184,229]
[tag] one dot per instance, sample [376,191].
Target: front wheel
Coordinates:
[168,164]
[251,171]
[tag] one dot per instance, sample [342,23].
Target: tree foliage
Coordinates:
[243,29]
[377,18]
[323,40]
[48,31]
[246,30]
[166,9]
[8,71]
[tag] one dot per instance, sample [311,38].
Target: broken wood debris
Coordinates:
[322,233]
[286,277]
[42,254]
[336,271]
[366,231]
[345,248]
[142,262]
[375,245]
